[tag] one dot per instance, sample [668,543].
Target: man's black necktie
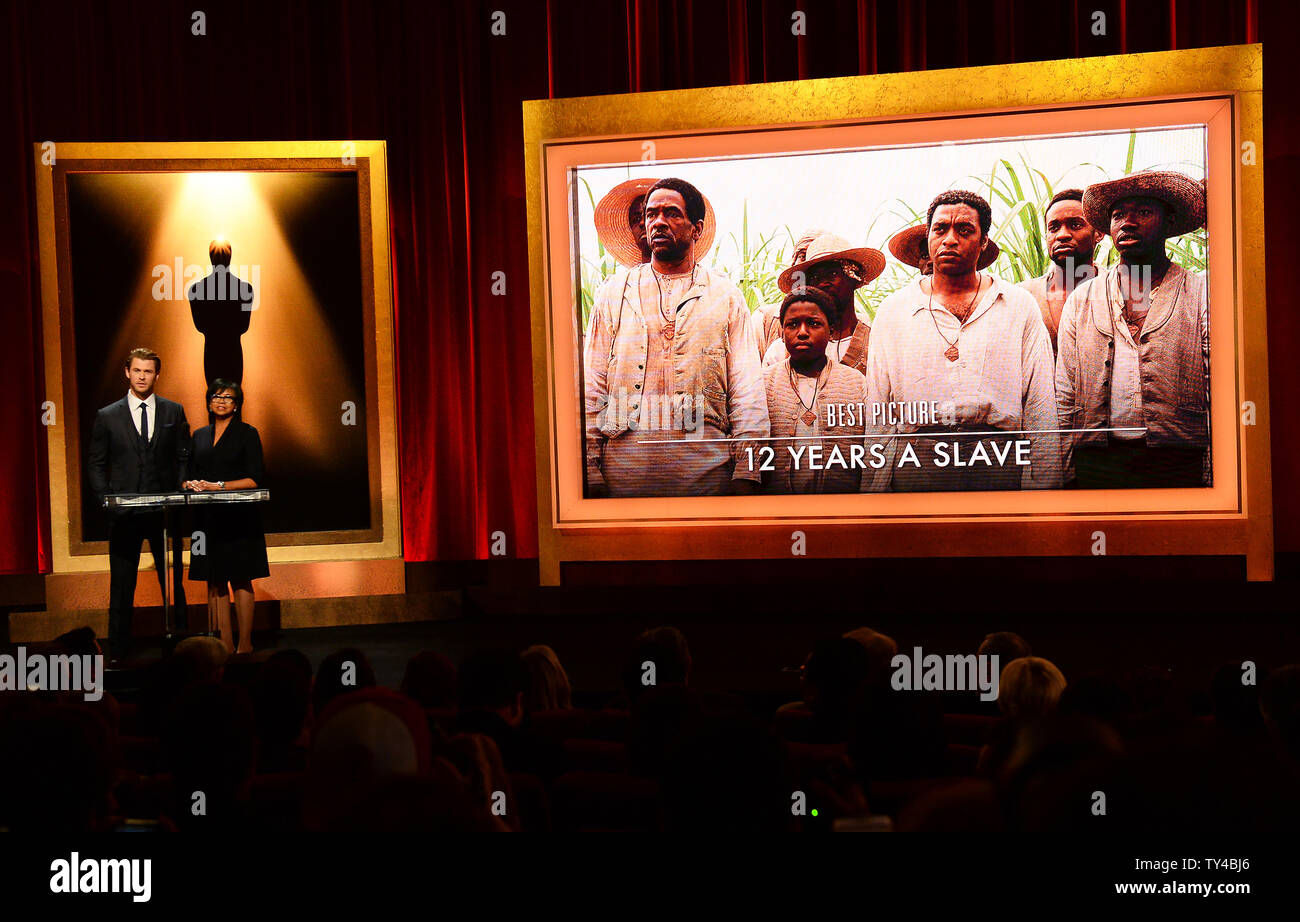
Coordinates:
[144,424]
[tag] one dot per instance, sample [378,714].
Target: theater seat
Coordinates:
[609,724]
[962,759]
[970,729]
[442,721]
[809,760]
[792,723]
[583,801]
[584,755]
[275,801]
[128,717]
[532,802]
[143,754]
[560,724]
[890,797]
[143,796]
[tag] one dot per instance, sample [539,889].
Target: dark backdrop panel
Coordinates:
[445,93]
[304,350]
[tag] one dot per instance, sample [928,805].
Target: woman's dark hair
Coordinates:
[825,303]
[221,384]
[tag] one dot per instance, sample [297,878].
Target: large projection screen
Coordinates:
[862,157]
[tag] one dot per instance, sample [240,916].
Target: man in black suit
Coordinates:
[221,306]
[138,445]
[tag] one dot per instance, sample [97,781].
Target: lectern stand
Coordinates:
[139,502]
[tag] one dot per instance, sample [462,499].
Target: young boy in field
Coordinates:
[809,454]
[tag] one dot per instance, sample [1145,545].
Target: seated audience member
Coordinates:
[211,747]
[281,695]
[547,687]
[1159,710]
[1029,688]
[491,696]
[969,805]
[206,658]
[1279,705]
[59,764]
[1097,697]
[80,642]
[430,679]
[1028,691]
[372,769]
[478,760]
[341,672]
[881,650]
[832,680]
[896,735]
[667,650]
[1005,645]
[728,775]
[660,718]
[1235,703]
[195,661]
[1053,767]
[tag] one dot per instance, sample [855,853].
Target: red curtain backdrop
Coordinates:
[445,93]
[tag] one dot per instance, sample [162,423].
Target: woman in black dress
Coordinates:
[227,455]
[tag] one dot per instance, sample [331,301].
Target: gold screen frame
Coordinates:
[1234,520]
[366,158]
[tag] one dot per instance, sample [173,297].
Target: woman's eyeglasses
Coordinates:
[222,397]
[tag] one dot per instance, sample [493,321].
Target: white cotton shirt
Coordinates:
[135,403]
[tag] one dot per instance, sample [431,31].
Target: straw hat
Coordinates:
[910,246]
[833,246]
[1184,196]
[613,230]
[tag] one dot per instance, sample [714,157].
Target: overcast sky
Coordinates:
[844,191]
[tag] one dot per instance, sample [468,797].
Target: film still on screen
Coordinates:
[1023,314]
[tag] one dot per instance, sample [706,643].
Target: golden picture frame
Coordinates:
[368,160]
[1220,87]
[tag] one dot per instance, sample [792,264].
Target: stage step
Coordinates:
[274,614]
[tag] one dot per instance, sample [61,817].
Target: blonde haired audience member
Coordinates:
[1029,688]
[1028,692]
[547,687]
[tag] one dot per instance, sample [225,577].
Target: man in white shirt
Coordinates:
[139,444]
[971,351]
[673,387]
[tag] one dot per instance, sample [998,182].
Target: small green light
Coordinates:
[814,813]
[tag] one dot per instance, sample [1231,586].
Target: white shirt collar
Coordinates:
[134,402]
[997,290]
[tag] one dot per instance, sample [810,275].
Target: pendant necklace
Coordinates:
[951,353]
[809,416]
[669,328]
